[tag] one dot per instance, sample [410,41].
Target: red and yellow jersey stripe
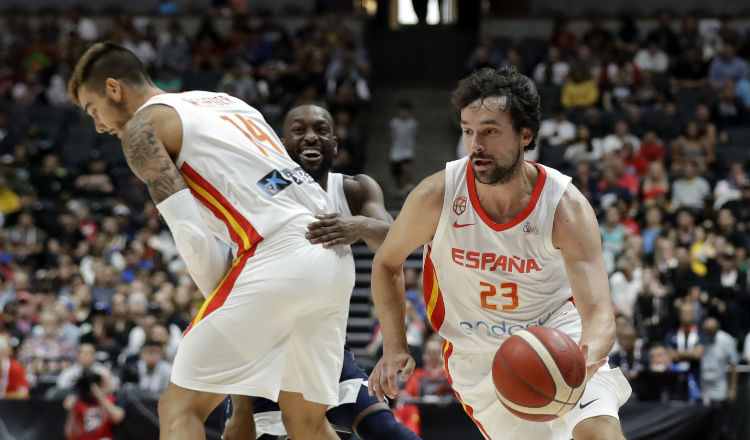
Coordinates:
[433,297]
[242,233]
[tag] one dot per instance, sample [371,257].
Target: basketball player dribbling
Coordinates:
[358,212]
[508,244]
[274,321]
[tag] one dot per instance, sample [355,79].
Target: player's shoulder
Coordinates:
[573,215]
[430,191]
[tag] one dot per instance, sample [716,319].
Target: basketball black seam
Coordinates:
[552,398]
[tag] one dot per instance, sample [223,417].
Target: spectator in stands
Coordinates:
[730,188]
[727,228]
[652,229]
[592,62]
[658,358]
[562,37]
[557,131]
[687,343]
[93,412]
[652,58]
[103,337]
[740,208]
[13,383]
[46,355]
[690,190]
[403,129]
[706,127]
[727,66]
[655,182]
[583,147]
[579,89]
[650,311]
[613,237]
[617,140]
[553,69]
[689,70]
[620,77]
[625,285]
[629,357]
[610,189]
[597,37]
[173,48]
[85,362]
[484,55]
[430,380]
[153,370]
[729,110]
[719,356]
[664,36]
[25,240]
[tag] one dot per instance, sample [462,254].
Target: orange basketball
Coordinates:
[539,373]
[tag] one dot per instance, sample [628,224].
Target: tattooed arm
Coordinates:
[150,139]
[145,141]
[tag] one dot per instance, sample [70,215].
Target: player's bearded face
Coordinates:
[500,172]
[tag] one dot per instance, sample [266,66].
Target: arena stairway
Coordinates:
[361,320]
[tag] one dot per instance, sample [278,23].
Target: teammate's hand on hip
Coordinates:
[591,366]
[382,381]
[334,229]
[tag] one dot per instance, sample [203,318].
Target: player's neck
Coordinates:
[501,201]
[323,181]
[140,96]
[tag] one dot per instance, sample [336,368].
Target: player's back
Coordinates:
[236,166]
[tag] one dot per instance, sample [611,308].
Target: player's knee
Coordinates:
[300,424]
[381,425]
[598,428]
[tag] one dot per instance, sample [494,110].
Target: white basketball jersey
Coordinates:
[336,194]
[483,280]
[237,168]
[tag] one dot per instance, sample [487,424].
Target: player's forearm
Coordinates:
[373,231]
[599,333]
[390,304]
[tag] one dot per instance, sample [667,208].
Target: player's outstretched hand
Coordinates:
[591,366]
[334,229]
[382,381]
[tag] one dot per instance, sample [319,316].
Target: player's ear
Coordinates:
[526,137]
[113,89]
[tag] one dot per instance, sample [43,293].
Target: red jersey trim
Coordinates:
[520,217]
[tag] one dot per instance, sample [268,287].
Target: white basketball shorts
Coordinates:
[471,376]
[277,322]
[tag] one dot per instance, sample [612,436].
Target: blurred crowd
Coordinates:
[91,281]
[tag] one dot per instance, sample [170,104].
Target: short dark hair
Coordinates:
[106,60]
[522,99]
[83,386]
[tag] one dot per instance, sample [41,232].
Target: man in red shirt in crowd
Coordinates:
[13,383]
[93,413]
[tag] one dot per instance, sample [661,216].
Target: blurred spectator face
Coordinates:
[119,306]
[612,216]
[411,279]
[159,333]
[658,359]
[553,54]
[682,254]
[583,132]
[86,355]
[653,216]
[685,219]
[137,306]
[689,170]
[627,338]
[711,327]
[621,128]
[670,110]
[687,314]
[728,51]
[610,176]
[309,139]
[151,355]
[433,353]
[50,322]
[110,226]
[725,219]
[183,297]
[727,259]
[655,170]
[650,138]
[702,113]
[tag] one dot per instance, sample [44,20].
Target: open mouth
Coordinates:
[311,154]
[482,163]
